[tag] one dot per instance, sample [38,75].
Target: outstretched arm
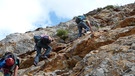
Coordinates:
[16,70]
[89,26]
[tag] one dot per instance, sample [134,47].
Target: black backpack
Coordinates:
[37,39]
[45,40]
[80,18]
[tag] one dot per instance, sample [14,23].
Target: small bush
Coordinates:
[114,7]
[63,34]
[99,9]
[109,7]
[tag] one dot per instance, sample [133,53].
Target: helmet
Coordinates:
[10,61]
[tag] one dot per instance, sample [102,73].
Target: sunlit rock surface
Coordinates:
[109,52]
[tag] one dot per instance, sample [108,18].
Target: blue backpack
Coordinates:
[80,18]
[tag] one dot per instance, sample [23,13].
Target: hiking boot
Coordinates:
[35,63]
[35,48]
[88,32]
[91,35]
[45,57]
[85,31]
[83,34]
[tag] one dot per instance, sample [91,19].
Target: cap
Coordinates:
[10,61]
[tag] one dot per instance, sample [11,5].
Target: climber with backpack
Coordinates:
[9,64]
[82,23]
[42,41]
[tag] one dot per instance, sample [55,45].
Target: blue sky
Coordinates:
[19,16]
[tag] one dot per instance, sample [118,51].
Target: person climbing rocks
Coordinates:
[9,64]
[82,22]
[42,41]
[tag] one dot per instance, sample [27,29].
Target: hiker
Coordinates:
[42,41]
[9,64]
[82,23]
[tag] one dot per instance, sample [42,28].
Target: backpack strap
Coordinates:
[13,67]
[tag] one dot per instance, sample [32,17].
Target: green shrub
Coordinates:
[63,34]
[114,7]
[109,7]
[99,9]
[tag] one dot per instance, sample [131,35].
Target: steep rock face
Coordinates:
[20,43]
[114,55]
[109,52]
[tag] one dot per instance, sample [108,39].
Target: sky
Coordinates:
[20,16]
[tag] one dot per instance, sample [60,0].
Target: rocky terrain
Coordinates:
[109,52]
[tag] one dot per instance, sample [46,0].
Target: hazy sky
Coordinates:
[25,15]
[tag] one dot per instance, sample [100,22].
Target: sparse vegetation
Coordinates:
[99,9]
[108,7]
[63,34]
[108,51]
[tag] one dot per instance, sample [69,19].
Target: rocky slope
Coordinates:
[110,52]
